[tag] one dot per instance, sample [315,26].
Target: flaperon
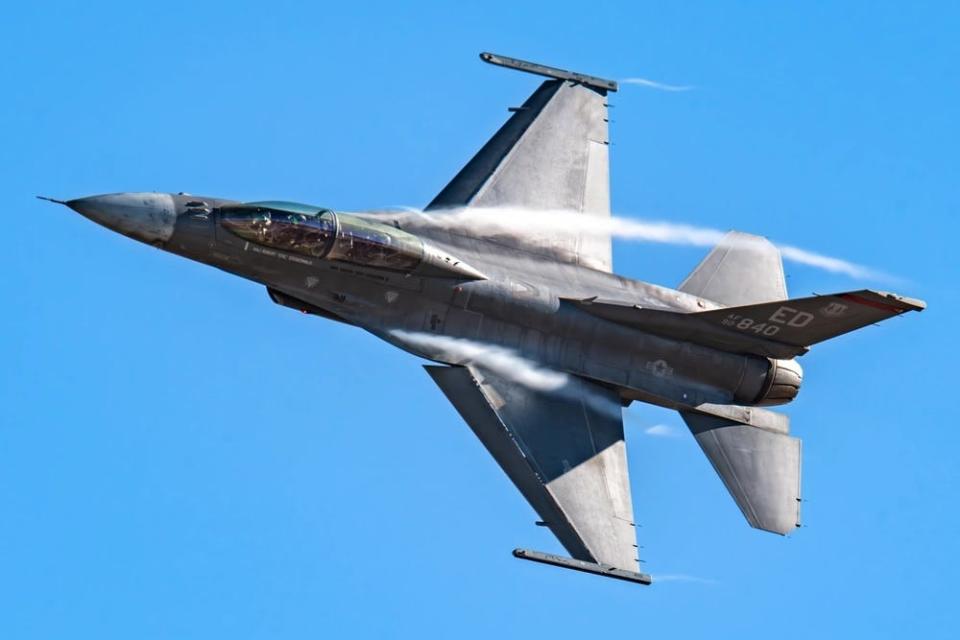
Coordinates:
[483,304]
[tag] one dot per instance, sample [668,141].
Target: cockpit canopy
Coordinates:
[323,234]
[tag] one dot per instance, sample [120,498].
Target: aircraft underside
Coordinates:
[531,336]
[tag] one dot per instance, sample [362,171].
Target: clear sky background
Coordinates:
[180,458]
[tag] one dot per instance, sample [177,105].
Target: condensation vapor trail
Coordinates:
[682,577]
[522,223]
[509,365]
[644,82]
[499,360]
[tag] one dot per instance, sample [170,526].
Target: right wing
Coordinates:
[566,454]
[551,155]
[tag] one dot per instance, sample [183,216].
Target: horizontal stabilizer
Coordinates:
[759,467]
[782,329]
[802,322]
[741,269]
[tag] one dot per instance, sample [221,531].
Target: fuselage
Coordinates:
[454,286]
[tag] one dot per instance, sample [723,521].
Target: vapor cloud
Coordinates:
[511,366]
[681,577]
[827,263]
[499,360]
[644,82]
[528,224]
[662,431]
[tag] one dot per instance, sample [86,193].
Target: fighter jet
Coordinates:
[532,337]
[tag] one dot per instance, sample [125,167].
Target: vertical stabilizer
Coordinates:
[742,269]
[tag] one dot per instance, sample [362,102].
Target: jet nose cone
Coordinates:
[148,217]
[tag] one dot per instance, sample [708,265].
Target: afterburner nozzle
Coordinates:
[783,382]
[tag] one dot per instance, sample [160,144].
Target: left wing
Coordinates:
[565,452]
[550,156]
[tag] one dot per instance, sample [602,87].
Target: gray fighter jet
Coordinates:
[536,342]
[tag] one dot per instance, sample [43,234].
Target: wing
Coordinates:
[564,451]
[551,155]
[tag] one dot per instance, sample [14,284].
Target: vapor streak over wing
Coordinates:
[529,225]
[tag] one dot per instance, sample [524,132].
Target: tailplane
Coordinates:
[779,329]
[759,464]
[794,325]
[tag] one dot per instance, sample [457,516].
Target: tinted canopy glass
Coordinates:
[321,233]
[376,245]
[307,232]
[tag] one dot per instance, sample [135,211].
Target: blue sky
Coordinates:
[180,458]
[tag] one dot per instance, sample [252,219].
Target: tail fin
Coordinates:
[742,269]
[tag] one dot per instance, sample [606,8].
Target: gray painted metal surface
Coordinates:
[563,448]
[582,565]
[741,269]
[759,467]
[536,343]
[551,155]
[551,72]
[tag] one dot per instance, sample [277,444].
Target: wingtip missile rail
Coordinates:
[584,566]
[601,84]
